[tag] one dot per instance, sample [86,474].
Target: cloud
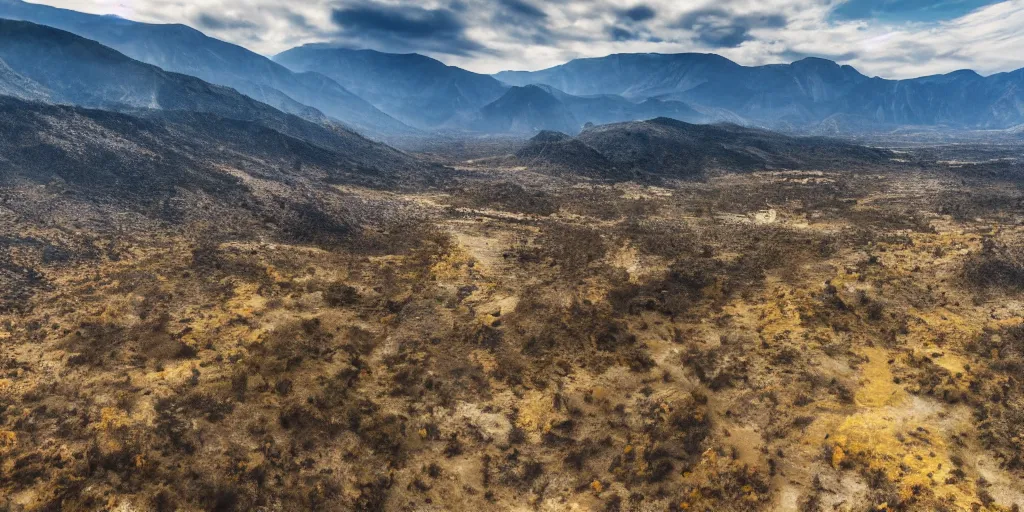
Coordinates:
[208,21]
[890,38]
[720,29]
[518,20]
[621,34]
[639,13]
[405,28]
[522,9]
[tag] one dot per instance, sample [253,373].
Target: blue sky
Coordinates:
[906,10]
[896,39]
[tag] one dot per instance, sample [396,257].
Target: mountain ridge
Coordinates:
[800,94]
[810,95]
[669,148]
[414,88]
[180,48]
[78,71]
[538,108]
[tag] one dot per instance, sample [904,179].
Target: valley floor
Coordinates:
[767,341]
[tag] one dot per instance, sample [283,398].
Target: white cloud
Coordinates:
[988,40]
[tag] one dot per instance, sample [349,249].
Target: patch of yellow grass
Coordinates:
[878,389]
[911,456]
[453,265]
[895,435]
[8,441]
[535,412]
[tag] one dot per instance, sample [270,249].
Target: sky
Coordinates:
[888,38]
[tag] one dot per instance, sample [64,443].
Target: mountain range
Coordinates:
[810,94]
[427,94]
[46,64]
[181,49]
[393,97]
[417,90]
[193,124]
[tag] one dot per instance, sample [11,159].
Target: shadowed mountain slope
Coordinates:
[134,156]
[555,150]
[14,84]
[69,69]
[181,49]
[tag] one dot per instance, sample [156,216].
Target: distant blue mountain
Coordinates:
[415,89]
[535,108]
[385,95]
[810,94]
[630,75]
[66,68]
[611,108]
[184,50]
[428,94]
[528,109]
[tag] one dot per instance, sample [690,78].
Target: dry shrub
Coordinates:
[572,247]
[996,390]
[299,340]
[999,266]
[663,239]
[676,293]
[508,197]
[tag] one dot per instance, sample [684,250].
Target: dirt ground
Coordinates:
[790,341]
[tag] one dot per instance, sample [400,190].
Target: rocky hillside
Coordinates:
[669,148]
[181,49]
[65,68]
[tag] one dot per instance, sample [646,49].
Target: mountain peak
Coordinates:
[413,88]
[550,136]
[964,73]
[816,61]
[710,58]
[533,88]
[306,52]
[527,109]
[338,48]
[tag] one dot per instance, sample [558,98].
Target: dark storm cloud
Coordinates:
[403,28]
[631,24]
[622,34]
[638,13]
[718,28]
[523,9]
[523,21]
[212,22]
[410,21]
[297,20]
